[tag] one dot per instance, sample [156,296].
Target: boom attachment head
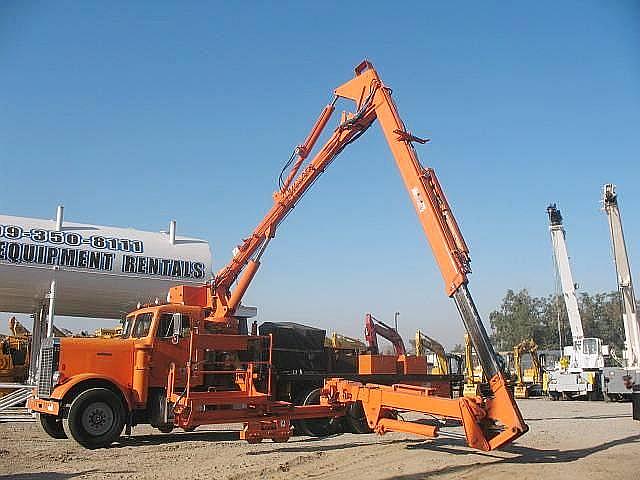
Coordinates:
[489,423]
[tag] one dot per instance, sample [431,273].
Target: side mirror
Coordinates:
[176,320]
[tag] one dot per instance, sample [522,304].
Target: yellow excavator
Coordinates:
[528,382]
[337,340]
[473,376]
[424,344]
[14,354]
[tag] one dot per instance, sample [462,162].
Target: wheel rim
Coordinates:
[97,418]
[318,427]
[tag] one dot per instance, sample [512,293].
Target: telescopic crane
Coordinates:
[582,376]
[489,421]
[619,381]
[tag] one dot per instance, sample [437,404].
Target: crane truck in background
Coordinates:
[618,382]
[580,376]
[185,363]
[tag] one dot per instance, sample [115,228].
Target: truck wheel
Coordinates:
[356,419]
[96,418]
[51,425]
[165,428]
[315,427]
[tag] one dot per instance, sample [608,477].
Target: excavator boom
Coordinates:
[425,342]
[374,327]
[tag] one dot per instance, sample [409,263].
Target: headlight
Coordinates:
[55,377]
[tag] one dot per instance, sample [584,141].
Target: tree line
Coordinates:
[521,316]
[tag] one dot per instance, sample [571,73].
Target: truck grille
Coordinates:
[49,355]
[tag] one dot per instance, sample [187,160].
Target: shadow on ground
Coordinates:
[46,475]
[579,417]
[521,455]
[157,439]
[310,446]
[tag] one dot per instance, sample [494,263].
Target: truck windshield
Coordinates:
[142,325]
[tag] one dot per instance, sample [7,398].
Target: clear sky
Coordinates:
[131,114]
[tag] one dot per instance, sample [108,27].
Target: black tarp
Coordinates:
[296,347]
[294,336]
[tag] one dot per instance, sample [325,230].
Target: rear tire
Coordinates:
[315,427]
[96,418]
[356,418]
[51,425]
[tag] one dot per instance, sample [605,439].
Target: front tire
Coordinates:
[51,425]
[96,418]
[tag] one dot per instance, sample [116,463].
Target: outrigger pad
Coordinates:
[277,429]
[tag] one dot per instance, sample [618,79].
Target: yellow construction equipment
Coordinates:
[425,343]
[337,340]
[14,354]
[108,332]
[473,376]
[528,381]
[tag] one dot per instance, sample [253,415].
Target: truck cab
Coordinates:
[91,387]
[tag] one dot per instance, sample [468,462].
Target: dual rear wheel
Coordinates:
[355,419]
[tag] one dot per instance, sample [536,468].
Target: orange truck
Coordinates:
[184,363]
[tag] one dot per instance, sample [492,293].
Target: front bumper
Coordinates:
[49,407]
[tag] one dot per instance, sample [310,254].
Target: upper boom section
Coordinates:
[623,269]
[429,201]
[373,101]
[561,257]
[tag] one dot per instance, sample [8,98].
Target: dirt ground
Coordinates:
[566,440]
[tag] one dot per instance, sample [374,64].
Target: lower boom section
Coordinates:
[489,423]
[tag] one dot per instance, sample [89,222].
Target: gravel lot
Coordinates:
[588,440]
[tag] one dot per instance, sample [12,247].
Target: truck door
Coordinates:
[169,347]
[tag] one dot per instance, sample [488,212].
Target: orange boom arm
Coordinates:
[489,422]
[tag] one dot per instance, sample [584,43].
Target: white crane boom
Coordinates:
[625,284]
[561,257]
